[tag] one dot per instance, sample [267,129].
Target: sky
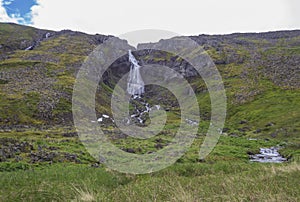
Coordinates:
[189,17]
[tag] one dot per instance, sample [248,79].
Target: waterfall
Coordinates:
[135,85]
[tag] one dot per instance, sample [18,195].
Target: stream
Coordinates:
[268,155]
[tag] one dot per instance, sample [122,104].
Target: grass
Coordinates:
[180,182]
[55,182]
[226,172]
[270,106]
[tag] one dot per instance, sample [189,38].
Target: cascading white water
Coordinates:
[268,155]
[135,85]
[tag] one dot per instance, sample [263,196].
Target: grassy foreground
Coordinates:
[225,175]
[222,181]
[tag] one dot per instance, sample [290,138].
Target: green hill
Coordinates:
[260,73]
[42,158]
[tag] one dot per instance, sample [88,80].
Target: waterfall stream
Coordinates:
[135,85]
[268,155]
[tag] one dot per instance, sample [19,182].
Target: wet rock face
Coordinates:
[268,155]
[149,57]
[156,57]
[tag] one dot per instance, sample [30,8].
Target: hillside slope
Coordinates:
[36,84]
[261,74]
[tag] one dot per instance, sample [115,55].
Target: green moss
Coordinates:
[63,106]
[274,105]
[20,108]
[65,83]
[73,45]
[17,63]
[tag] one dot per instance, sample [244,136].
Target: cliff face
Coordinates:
[260,73]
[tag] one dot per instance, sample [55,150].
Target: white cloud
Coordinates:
[4,17]
[8,2]
[184,17]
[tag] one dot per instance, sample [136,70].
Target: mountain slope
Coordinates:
[260,73]
[36,84]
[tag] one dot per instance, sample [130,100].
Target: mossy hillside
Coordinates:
[68,50]
[49,71]
[14,37]
[245,87]
[253,96]
[278,107]
[19,108]
[54,146]
[45,146]
[66,43]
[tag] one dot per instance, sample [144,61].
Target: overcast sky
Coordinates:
[189,17]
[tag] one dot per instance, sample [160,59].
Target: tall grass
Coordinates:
[221,181]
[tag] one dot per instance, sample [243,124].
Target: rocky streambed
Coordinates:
[268,155]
